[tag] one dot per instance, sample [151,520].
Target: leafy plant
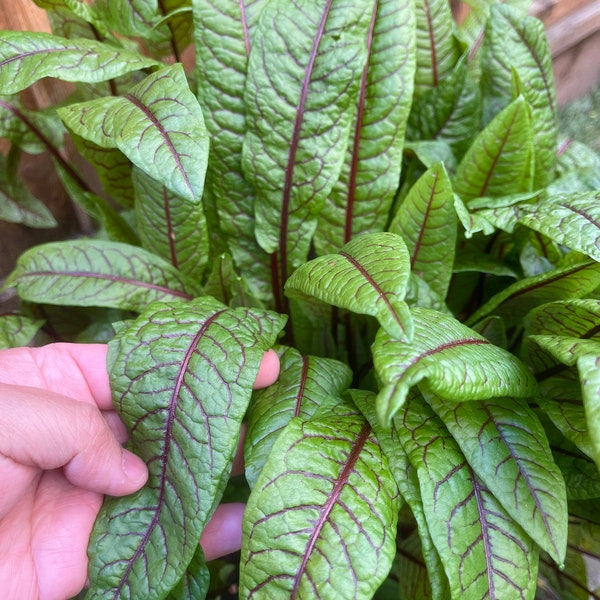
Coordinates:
[382,194]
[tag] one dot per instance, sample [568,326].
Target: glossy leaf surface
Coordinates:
[369,275]
[450,360]
[306,385]
[183,406]
[291,83]
[158,125]
[589,369]
[17,330]
[26,57]
[484,552]
[507,447]
[97,273]
[311,516]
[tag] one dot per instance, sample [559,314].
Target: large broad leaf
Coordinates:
[223,34]
[484,552]
[299,115]
[28,56]
[361,199]
[572,220]
[17,330]
[306,385]
[321,519]
[498,163]
[448,359]
[170,226]
[506,446]
[369,275]
[437,48]
[516,47]
[427,222]
[406,478]
[97,273]
[158,125]
[182,377]
[515,301]
[589,369]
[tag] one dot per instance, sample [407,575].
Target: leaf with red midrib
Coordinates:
[321,520]
[181,376]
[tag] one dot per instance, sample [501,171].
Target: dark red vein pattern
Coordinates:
[182,378]
[328,507]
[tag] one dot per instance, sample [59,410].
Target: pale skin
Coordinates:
[60,453]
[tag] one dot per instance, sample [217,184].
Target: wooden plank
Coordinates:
[575,27]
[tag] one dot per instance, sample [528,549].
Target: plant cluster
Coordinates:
[380,193]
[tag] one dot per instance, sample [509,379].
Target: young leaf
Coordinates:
[498,163]
[97,273]
[589,370]
[361,198]
[26,57]
[484,552]
[17,330]
[450,360]
[369,275]
[426,221]
[306,385]
[291,83]
[437,48]
[170,226]
[158,125]
[515,301]
[182,377]
[321,519]
[514,44]
[223,34]
[572,220]
[506,446]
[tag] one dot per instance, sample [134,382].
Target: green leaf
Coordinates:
[17,330]
[589,370]
[449,112]
[515,301]
[182,377]
[572,220]
[362,197]
[19,205]
[321,519]
[438,50]
[369,275]
[170,226]
[447,358]
[26,57]
[96,273]
[426,221]
[223,34]
[158,125]
[517,45]
[408,484]
[498,163]
[195,583]
[506,446]
[32,131]
[579,472]
[306,385]
[484,552]
[298,115]
[112,167]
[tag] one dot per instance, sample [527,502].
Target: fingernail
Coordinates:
[134,468]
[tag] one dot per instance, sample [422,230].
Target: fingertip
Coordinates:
[268,371]
[135,471]
[223,533]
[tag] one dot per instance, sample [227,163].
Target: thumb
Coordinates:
[47,430]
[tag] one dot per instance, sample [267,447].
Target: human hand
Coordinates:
[60,452]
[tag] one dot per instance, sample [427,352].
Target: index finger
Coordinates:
[75,370]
